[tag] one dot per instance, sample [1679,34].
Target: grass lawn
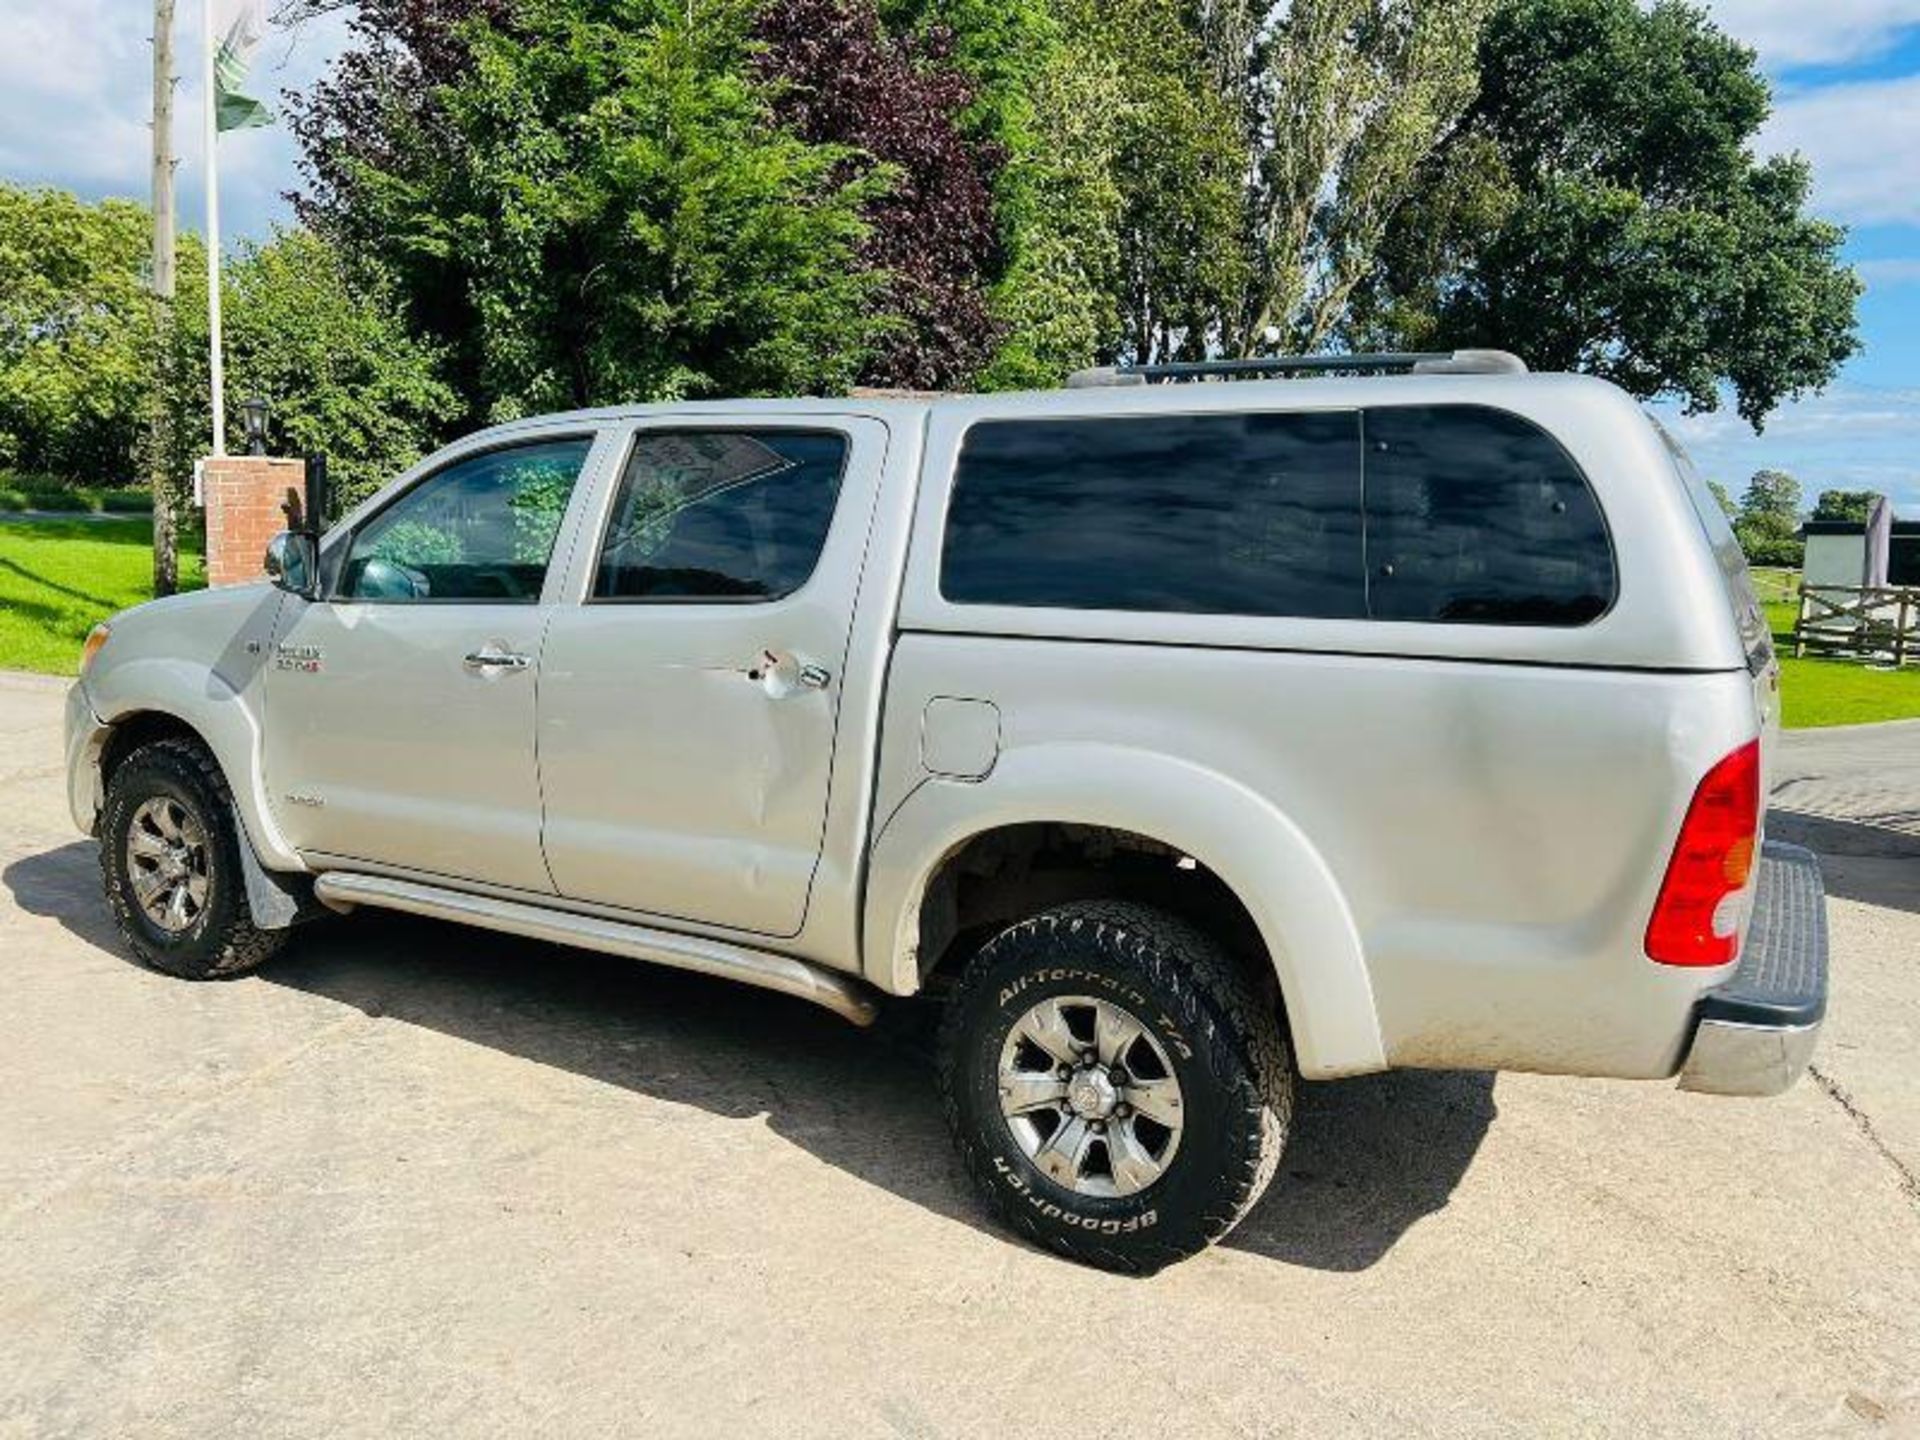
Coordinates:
[1779,592]
[1775,584]
[1817,691]
[1843,692]
[60,578]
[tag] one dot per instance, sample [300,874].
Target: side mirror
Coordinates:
[293,562]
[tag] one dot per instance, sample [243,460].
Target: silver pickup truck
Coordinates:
[1189,732]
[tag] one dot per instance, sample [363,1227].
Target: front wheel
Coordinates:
[1117,1088]
[170,860]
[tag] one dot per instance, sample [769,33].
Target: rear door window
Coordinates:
[1477,516]
[720,516]
[1217,514]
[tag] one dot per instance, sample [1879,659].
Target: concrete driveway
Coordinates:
[414,1180]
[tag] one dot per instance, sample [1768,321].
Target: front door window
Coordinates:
[481,530]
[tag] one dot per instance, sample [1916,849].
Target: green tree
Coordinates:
[1600,208]
[1120,199]
[1342,102]
[330,353]
[1722,499]
[80,365]
[1771,495]
[1769,540]
[1178,164]
[595,205]
[75,333]
[1768,523]
[1047,110]
[1056,297]
[1851,505]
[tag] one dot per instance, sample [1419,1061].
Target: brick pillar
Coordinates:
[246,499]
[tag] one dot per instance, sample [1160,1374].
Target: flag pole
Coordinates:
[217,369]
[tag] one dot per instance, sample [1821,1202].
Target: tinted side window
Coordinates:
[1751,621]
[720,514]
[1477,516]
[1217,514]
[480,530]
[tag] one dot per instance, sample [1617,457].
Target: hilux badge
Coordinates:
[297,657]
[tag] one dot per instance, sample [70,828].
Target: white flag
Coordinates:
[239,27]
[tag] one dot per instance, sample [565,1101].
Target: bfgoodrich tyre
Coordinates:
[1116,1086]
[170,861]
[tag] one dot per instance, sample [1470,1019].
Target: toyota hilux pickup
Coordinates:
[1190,733]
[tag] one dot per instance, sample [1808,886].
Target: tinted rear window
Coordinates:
[1478,516]
[1218,514]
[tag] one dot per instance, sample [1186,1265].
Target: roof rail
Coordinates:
[1440,362]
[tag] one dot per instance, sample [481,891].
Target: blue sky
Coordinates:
[1846,76]
[74,78]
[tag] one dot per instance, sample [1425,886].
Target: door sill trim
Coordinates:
[549,898]
[851,998]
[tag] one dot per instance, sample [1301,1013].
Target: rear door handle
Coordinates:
[487,661]
[782,675]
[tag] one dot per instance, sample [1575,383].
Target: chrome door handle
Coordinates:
[783,675]
[484,660]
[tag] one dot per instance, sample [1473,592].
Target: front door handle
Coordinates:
[486,662]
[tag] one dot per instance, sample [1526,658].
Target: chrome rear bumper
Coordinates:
[1754,1034]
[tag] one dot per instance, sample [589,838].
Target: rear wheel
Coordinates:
[1118,1090]
[170,861]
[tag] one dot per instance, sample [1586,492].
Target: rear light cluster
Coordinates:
[1696,920]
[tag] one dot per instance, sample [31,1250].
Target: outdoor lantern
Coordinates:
[256,413]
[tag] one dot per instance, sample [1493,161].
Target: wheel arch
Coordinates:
[1270,868]
[120,738]
[142,699]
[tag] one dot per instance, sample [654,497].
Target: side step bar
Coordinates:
[845,995]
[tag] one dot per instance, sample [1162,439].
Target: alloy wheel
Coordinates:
[1090,1096]
[168,863]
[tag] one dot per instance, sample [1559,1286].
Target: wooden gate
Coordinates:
[1875,622]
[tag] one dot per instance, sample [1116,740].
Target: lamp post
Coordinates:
[255,411]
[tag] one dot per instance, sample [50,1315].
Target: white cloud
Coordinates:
[1853,437]
[1863,136]
[1788,33]
[55,111]
[76,95]
[1885,274]
[1864,142]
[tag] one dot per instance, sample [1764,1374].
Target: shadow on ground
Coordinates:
[1368,1157]
[1864,861]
